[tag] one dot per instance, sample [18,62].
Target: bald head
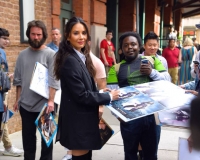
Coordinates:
[56,36]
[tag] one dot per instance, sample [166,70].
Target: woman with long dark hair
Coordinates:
[78,116]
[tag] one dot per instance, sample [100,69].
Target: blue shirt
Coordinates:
[3,58]
[82,56]
[53,46]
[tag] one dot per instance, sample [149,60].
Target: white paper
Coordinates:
[39,83]
[184,153]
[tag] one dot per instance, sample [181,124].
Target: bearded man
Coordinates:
[28,102]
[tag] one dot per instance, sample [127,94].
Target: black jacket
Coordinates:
[80,100]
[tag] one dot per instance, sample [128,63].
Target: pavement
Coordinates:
[113,149]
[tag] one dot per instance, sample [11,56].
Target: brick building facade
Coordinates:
[98,15]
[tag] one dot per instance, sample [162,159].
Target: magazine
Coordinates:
[105,131]
[46,125]
[183,152]
[148,98]
[39,82]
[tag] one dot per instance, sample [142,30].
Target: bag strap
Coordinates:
[117,67]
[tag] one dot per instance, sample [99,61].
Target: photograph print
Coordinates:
[46,126]
[133,104]
[105,130]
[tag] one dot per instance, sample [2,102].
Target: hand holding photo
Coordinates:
[46,125]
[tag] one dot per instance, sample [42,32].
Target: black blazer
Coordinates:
[78,116]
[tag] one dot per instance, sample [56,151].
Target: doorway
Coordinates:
[65,13]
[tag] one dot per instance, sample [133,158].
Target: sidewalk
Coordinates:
[113,149]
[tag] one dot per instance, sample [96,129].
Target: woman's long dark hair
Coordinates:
[65,49]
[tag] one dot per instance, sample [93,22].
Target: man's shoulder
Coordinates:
[161,57]
[95,60]
[49,44]
[103,41]
[48,49]
[24,50]
[176,49]
[166,49]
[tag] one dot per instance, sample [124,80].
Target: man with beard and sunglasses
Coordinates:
[28,102]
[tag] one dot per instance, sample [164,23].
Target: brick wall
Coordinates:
[82,9]
[9,13]
[98,12]
[55,13]
[168,14]
[127,15]
[150,16]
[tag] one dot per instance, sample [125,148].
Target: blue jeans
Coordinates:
[143,131]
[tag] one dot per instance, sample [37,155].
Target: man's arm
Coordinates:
[156,76]
[101,84]
[18,92]
[146,69]
[103,56]
[50,107]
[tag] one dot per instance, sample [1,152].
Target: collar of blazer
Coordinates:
[82,65]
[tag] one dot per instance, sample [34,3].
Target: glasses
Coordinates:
[5,38]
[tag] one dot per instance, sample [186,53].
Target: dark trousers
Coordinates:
[143,131]
[29,137]
[1,114]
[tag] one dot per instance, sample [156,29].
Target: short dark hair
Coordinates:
[172,40]
[150,35]
[127,34]
[39,24]
[4,32]
[109,31]
[55,29]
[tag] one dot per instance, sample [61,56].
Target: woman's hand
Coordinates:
[115,94]
[106,90]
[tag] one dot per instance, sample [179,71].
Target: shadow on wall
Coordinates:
[97,48]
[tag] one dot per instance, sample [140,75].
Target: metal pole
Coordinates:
[161,23]
[137,16]
[117,28]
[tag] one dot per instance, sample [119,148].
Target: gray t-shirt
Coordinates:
[25,64]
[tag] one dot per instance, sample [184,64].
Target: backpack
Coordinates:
[4,82]
[4,79]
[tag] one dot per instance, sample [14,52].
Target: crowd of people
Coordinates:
[82,78]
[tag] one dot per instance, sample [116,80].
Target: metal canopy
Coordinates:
[189,8]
